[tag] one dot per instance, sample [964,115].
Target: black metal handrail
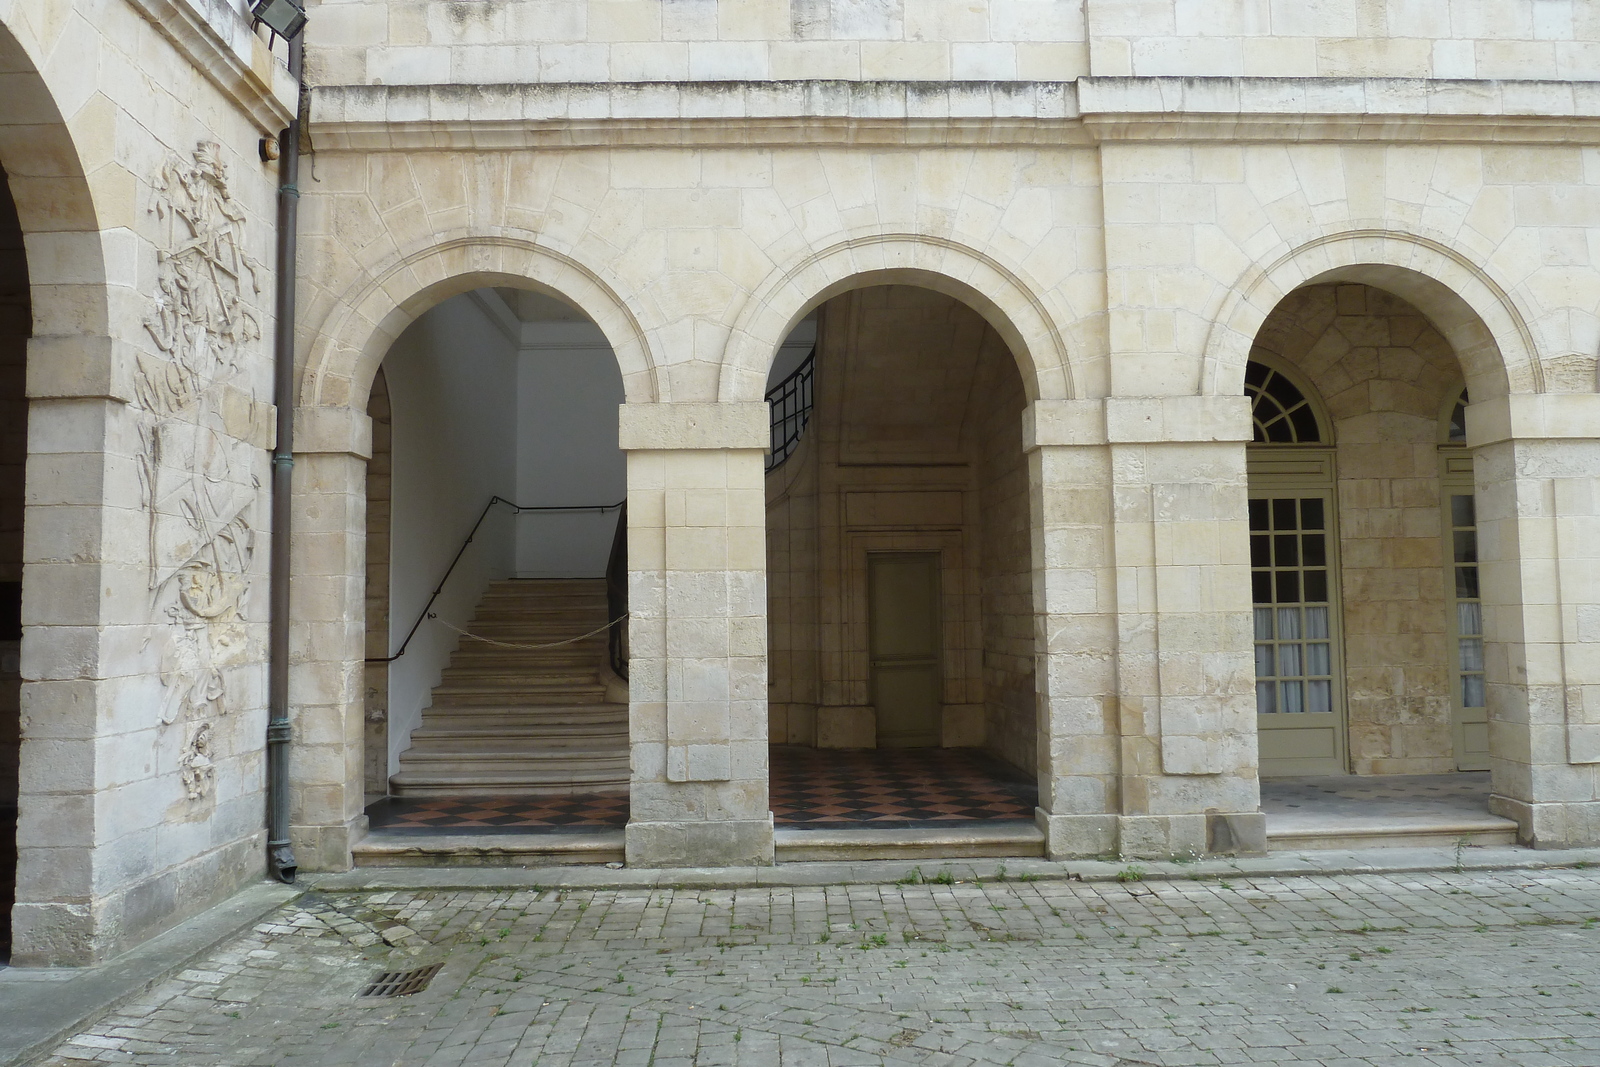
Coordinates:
[617,595]
[791,410]
[516,509]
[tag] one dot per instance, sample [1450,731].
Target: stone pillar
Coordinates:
[1161,696]
[1537,466]
[327,640]
[697,597]
[1075,634]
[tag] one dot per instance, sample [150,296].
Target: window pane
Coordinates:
[1263,624]
[1258,514]
[1472,653]
[1463,512]
[1467,583]
[1311,512]
[1289,661]
[1264,660]
[1260,551]
[1283,391]
[1305,425]
[1316,622]
[1466,544]
[1288,587]
[1471,691]
[1261,587]
[1292,703]
[1315,550]
[1265,694]
[1288,624]
[1280,432]
[1286,549]
[1319,696]
[1283,515]
[1469,618]
[1317,659]
[1316,585]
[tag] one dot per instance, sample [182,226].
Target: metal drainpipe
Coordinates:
[280,854]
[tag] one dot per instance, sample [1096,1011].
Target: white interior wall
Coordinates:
[452,378]
[568,390]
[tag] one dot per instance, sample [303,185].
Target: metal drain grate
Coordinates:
[401,983]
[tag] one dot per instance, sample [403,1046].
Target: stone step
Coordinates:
[537,848]
[1305,832]
[522,782]
[574,741]
[958,841]
[447,703]
[523,721]
[508,717]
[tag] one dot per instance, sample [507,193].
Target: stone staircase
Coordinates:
[519,722]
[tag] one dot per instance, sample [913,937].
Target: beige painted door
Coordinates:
[1299,698]
[903,619]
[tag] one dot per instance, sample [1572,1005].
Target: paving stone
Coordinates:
[1482,967]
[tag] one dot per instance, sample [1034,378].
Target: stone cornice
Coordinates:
[670,114]
[916,114]
[239,64]
[1340,109]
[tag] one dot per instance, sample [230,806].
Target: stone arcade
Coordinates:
[1215,381]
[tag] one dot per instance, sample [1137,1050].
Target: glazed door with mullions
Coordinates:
[1299,693]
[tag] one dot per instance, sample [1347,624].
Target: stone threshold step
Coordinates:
[1297,833]
[409,848]
[979,839]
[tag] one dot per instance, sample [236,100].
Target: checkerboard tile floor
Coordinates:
[894,788]
[814,788]
[581,812]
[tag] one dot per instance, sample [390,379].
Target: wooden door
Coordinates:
[906,637]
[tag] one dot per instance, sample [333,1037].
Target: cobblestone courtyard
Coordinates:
[1472,968]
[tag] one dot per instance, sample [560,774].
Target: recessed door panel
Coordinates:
[905,630]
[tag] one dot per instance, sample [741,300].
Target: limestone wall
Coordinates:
[1010,699]
[1386,375]
[130,141]
[1530,39]
[409,43]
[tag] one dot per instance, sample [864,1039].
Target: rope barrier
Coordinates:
[529,648]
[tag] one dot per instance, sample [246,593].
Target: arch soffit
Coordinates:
[1490,334]
[375,309]
[54,203]
[1006,302]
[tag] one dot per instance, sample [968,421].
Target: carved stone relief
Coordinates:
[195,475]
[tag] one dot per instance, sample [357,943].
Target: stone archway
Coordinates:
[335,439]
[57,339]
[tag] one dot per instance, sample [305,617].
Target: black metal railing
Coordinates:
[791,410]
[516,509]
[617,595]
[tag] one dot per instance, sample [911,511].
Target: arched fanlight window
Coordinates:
[1456,433]
[1281,412]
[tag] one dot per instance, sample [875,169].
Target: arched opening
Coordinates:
[901,631]
[15,326]
[493,499]
[1368,628]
